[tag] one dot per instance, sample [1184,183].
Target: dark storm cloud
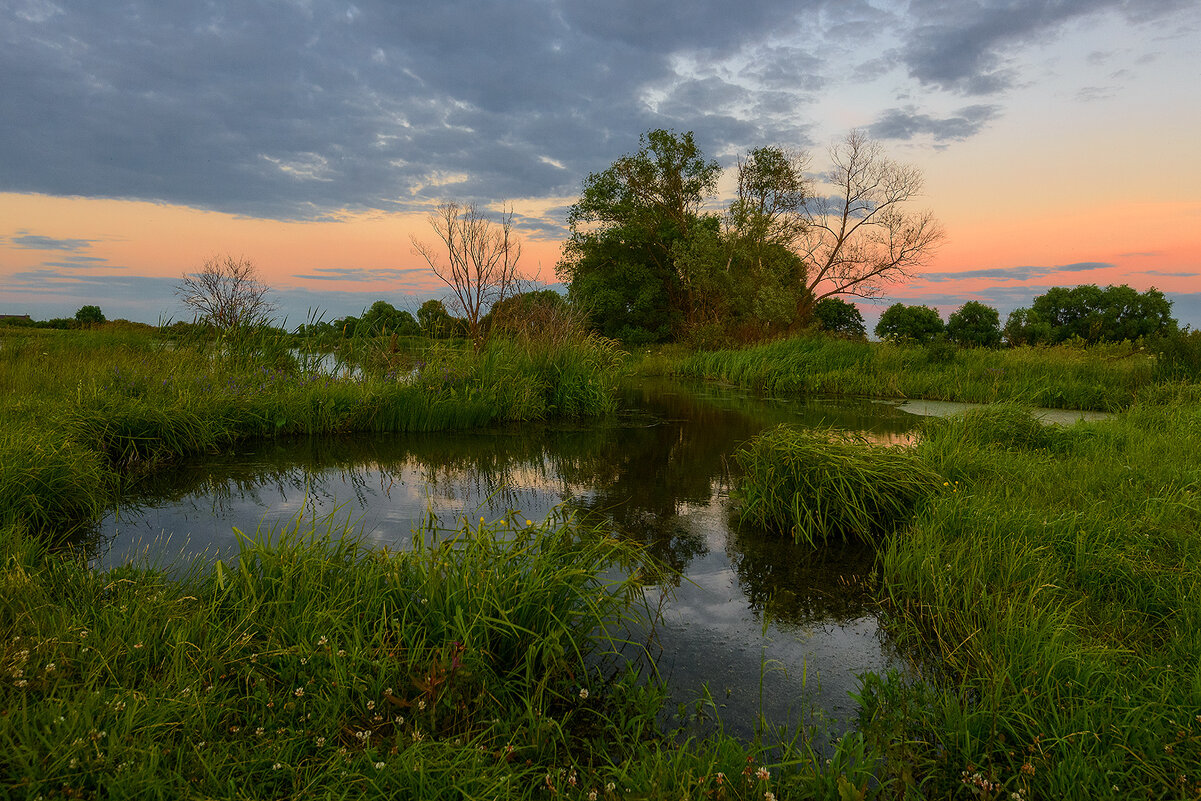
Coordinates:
[906,123]
[962,45]
[302,109]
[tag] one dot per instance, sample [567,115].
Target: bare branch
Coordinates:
[481,259]
[226,293]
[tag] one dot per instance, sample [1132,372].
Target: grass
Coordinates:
[821,484]
[88,410]
[1105,378]
[1050,585]
[470,666]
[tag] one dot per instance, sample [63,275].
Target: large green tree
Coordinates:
[903,323]
[975,325]
[1091,314]
[619,261]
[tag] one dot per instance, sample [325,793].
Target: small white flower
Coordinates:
[583,693]
[320,741]
[322,640]
[379,765]
[370,705]
[299,691]
[276,766]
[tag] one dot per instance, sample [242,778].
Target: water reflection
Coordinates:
[656,473]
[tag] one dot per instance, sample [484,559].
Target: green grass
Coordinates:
[1104,378]
[820,484]
[1051,586]
[86,410]
[310,666]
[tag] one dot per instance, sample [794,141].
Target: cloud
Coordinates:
[365,274]
[35,242]
[1081,266]
[907,123]
[966,47]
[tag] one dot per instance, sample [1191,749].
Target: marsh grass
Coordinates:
[818,485]
[1105,378]
[88,410]
[310,666]
[1057,591]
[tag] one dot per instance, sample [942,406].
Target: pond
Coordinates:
[768,627]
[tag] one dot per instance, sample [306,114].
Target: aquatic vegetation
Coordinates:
[822,484]
[1106,377]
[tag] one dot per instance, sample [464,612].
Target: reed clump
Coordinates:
[822,484]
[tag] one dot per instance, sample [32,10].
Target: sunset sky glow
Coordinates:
[1059,140]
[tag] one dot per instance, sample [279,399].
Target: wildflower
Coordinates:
[592,795]
[259,731]
[299,691]
[769,796]
[322,640]
[50,667]
[421,704]
[276,766]
[610,787]
[418,736]
[763,774]
[20,682]
[137,645]
[341,652]
[320,741]
[721,777]
[583,693]
[399,720]
[370,705]
[529,522]
[388,692]
[119,706]
[379,765]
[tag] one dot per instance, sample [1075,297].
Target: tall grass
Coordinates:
[821,484]
[1105,378]
[1057,591]
[84,410]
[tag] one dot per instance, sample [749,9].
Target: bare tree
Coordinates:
[864,237]
[226,293]
[481,259]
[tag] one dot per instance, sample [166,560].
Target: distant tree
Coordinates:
[384,318]
[226,293]
[1091,314]
[863,236]
[88,316]
[975,325]
[435,320]
[481,259]
[903,323]
[837,316]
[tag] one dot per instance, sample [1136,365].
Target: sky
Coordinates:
[1058,138]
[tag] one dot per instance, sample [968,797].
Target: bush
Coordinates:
[975,325]
[836,316]
[903,323]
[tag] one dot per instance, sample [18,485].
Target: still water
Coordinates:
[766,626]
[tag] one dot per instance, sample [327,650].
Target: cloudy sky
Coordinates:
[1058,138]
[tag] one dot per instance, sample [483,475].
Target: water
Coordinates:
[766,626]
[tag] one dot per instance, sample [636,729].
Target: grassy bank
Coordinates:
[1053,582]
[84,410]
[311,667]
[1104,378]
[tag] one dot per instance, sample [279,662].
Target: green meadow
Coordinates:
[1045,580]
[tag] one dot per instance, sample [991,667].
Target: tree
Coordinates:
[975,325]
[384,318]
[481,263]
[88,316]
[1091,314]
[903,323]
[836,316]
[863,237]
[434,319]
[619,261]
[227,294]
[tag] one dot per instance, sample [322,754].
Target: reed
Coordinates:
[1107,377]
[822,484]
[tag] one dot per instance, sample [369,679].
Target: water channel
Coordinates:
[768,627]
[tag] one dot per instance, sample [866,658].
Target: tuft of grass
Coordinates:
[823,484]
